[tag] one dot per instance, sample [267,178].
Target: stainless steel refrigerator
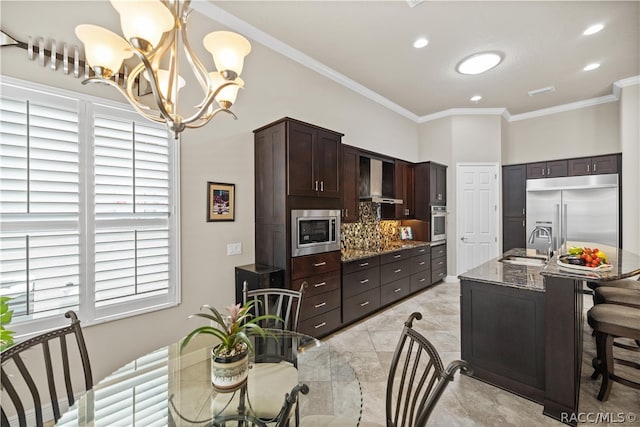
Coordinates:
[575,208]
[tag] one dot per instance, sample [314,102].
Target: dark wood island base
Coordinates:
[522,326]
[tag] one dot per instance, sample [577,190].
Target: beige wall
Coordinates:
[221,151]
[630,143]
[459,139]
[583,132]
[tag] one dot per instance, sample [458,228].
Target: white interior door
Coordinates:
[477,214]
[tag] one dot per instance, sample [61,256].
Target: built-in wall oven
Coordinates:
[438,223]
[314,231]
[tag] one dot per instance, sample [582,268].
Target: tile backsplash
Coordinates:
[369,232]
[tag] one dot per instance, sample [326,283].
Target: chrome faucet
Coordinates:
[542,231]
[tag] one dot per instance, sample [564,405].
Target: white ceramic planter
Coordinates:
[229,372]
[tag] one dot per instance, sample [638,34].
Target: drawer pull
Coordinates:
[441,262]
[317,285]
[395,291]
[422,280]
[320,325]
[364,264]
[322,304]
[398,270]
[364,303]
[362,282]
[398,256]
[320,264]
[421,263]
[422,251]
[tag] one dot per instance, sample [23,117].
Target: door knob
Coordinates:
[464,239]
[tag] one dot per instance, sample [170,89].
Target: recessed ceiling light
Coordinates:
[593,29]
[421,42]
[475,98]
[591,66]
[479,63]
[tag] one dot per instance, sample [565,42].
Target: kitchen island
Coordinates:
[522,326]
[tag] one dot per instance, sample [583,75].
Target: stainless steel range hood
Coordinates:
[371,182]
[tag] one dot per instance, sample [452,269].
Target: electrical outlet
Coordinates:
[234,248]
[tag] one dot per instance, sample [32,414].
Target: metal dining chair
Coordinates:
[274,376]
[417,379]
[22,363]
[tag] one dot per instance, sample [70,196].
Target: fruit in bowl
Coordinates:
[588,257]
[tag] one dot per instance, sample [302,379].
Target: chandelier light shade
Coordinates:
[155,32]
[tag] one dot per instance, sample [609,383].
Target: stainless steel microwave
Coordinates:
[314,231]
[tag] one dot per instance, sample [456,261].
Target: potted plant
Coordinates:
[6,336]
[230,358]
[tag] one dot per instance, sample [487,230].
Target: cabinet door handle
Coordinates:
[588,166]
[543,170]
[320,325]
[397,271]
[320,264]
[347,212]
[364,264]
[318,285]
[395,291]
[594,167]
[316,185]
[549,171]
[398,256]
[421,263]
[322,304]
[362,282]
[321,185]
[364,303]
[522,211]
[523,223]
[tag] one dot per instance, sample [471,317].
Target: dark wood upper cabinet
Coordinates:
[514,187]
[430,188]
[438,184]
[593,165]
[547,169]
[350,184]
[404,189]
[313,161]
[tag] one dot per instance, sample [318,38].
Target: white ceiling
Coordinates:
[367,45]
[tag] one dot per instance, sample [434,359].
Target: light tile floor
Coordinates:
[369,345]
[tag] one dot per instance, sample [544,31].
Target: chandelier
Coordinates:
[153,31]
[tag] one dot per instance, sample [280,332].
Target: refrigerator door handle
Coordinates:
[564,224]
[558,226]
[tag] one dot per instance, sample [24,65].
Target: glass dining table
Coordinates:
[170,388]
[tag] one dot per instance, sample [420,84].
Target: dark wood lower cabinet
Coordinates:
[503,336]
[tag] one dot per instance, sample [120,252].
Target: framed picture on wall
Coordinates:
[220,202]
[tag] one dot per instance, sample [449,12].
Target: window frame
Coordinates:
[87,106]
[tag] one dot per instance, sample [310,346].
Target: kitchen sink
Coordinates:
[533,261]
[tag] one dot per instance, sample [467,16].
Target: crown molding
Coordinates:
[565,107]
[462,112]
[225,18]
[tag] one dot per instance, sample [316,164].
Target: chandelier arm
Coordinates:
[155,89]
[204,120]
[148,114]
[198,68]
[204,106]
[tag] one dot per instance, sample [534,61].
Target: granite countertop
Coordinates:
[624,264]
[398,245]
[511,275]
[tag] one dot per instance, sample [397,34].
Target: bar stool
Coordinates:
[621,283]
[611,321]
[619,296]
